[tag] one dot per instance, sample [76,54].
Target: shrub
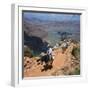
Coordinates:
[76,52]
[75,72]
[28,52]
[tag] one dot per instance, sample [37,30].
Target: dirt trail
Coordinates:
[59,62]
[59,59]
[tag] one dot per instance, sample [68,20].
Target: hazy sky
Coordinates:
[51,16]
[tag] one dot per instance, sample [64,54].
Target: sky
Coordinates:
[51,16]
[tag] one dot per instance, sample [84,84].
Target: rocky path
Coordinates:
[59,62]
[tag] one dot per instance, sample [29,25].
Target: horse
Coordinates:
[46,62]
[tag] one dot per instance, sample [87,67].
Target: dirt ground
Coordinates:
[33,69]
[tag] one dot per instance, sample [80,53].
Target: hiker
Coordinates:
[49,53]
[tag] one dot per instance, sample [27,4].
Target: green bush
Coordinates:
[28,52]
[76,52]
[76,71]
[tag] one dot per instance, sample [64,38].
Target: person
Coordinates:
[49,53]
